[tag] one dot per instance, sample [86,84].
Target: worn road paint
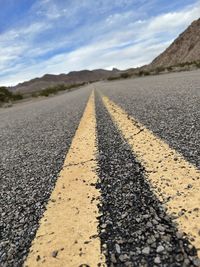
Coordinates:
[175,181]
[67,235]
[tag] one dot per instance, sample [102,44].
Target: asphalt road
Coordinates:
[34,140]
[135,229]
[169,105]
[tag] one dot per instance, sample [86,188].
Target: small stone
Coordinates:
[157,260]
[160,249]
[146,251]
[196,262]
[179,235]
[11,252]
[123,258]
[124,215]
[121,241]
[154,221]
[138,250]
[137,220]
[104,246]
[180,213]
[149,224]
[128,264]
[166,238]
[103,226]
[117,247]
[54,253]
[151,240]
[189,186]
[186,262]
[160,228]
[113,258]
[179,257]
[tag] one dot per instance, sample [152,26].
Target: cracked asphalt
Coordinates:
[134,228]
[168,105]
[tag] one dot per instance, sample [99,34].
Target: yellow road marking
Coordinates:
[175,181]
[67,235]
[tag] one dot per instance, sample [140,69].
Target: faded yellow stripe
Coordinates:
[175,181]
[67,235]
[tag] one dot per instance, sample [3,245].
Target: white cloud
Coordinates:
[16,43]
[121,41]
[174,20]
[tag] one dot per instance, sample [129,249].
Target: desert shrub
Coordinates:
[197,64]
[159,69]
[34,94]
[140,73]
[7,96]
[143,73]
[17,96]
[125,75]
[169,68]
[146,73]
[112,78]
[184,64]
[60,87]
[48,91]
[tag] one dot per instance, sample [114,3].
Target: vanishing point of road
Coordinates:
[105,175]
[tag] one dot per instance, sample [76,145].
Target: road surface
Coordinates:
[107,175]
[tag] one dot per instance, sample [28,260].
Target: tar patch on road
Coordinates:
[134,227]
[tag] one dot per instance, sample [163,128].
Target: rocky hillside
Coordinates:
[186,48]
[75,77]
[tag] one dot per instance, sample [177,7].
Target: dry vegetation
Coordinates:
[186,66]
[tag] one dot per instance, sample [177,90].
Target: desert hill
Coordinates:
[74,77]
[186,48]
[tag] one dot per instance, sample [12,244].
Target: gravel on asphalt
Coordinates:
[168,105]
[134,227]
[34,139]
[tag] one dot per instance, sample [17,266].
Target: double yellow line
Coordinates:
[175,181]
[68,232]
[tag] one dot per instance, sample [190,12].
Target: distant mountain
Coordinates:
[74,77]
[186,48]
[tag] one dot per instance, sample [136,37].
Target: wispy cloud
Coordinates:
[59,36]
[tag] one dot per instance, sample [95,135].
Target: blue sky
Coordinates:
[58,36]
